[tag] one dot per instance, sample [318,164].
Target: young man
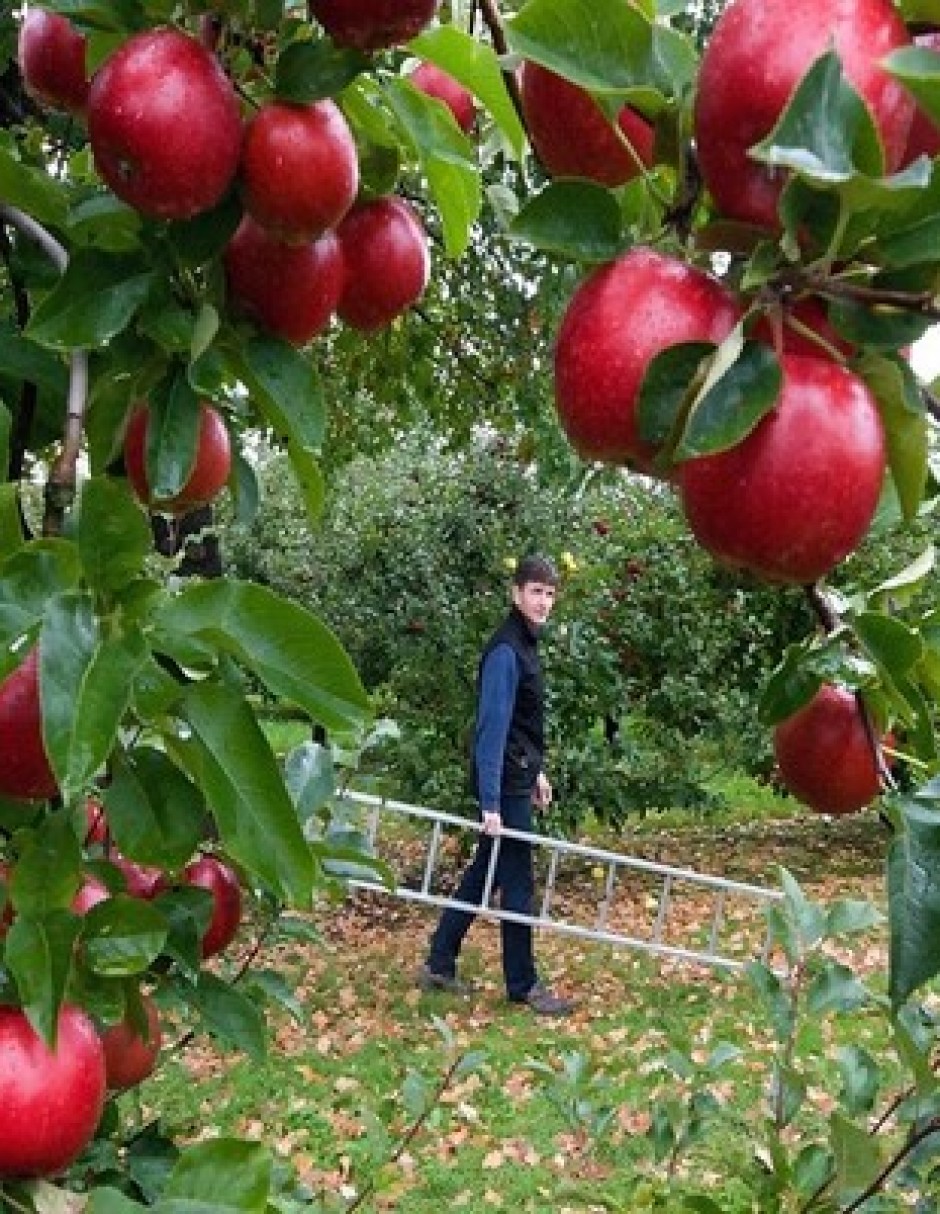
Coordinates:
[509,745]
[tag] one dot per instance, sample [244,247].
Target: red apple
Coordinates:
[289,290]
[797,495]
[924,136]
[807,313]
[756,56]
[299,169]
[50,1100]
[618,320]
[210,470]
[208,872]
[89,894]
[573,137]
[25,773]
[51,53]
[165,125]
[385,251]
[825,756]
[141,880]
[371,25]
[129,1055]
[433,81]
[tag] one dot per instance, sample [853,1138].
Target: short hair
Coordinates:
[535,569]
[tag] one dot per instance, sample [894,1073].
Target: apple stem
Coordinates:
[60,487]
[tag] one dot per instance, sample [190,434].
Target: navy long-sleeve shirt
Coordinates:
[499,679]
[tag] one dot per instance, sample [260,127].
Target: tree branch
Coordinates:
[60,487]
[494,23]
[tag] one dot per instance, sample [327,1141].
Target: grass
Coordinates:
[548,1116]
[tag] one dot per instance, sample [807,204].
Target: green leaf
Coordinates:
[35,192]
[893,645]
[576,219]
[789,1092]
[38,953]
[826,132]
[310,71]
[446,156]
[914,900]
[104,1200]
[11,523]
[229,1015]
[28,579]
[48,871]
[295,655]
[157,815]
[95,299]
[476,66]
[906,426]
[666,385]
[113,534]
[284,386]
[836,989]
[24,360]
[172,437]
[861,1078]
[849,916]
[858,1156]
[122,936]
[728,409]
[310,777]
[103,222]
[774,997]
[86,683]
[230,759]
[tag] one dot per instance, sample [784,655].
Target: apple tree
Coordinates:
[191,194]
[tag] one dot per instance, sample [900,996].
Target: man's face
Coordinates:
[535,601]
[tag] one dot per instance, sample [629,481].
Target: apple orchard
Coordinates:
[191,196]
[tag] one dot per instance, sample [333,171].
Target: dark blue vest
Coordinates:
[525,744]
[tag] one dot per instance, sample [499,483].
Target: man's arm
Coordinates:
[499,679]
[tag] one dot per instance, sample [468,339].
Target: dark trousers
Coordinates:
[516,883]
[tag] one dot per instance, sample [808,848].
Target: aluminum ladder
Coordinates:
[629,890]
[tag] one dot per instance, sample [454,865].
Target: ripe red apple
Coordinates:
[617,321]
[288,290]
[756,56]
[571,134]
[89,894]
[824,754]
[796,496]
[924,136]
[165,125]
[433,81]
[385,251]
[25,773]
[210,470]
[299,169]
[371,25]
[51,53]
[141,880]
[130,1056]
[208,872]
[50,1100]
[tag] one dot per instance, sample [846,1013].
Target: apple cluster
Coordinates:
[796,494]
[172,139]
[52,1097]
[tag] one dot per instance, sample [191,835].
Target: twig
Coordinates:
[494,23]
[60,487]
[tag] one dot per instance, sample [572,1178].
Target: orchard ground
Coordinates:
[349,1073]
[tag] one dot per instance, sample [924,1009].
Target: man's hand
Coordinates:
[492,821]
[542,793]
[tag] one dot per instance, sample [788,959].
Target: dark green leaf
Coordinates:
[113,534]
[295,655]
[28,579]
[890,643]
[728,409]
[172,437]
[37,193]
[665,389]
[861,1078]
[310,71]
[95,299]
[48,871]
[122,936]
[577,219]
[103,222]
[858,1156]
[906,428]
[230,759]
[284,386]
[38,953]
[835,989]
[157,816]
[918,69]
[914,900]
[229,1015]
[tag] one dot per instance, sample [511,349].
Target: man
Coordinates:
[509,745]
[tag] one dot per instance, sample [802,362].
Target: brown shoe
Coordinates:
[544,1002]
[428,980]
